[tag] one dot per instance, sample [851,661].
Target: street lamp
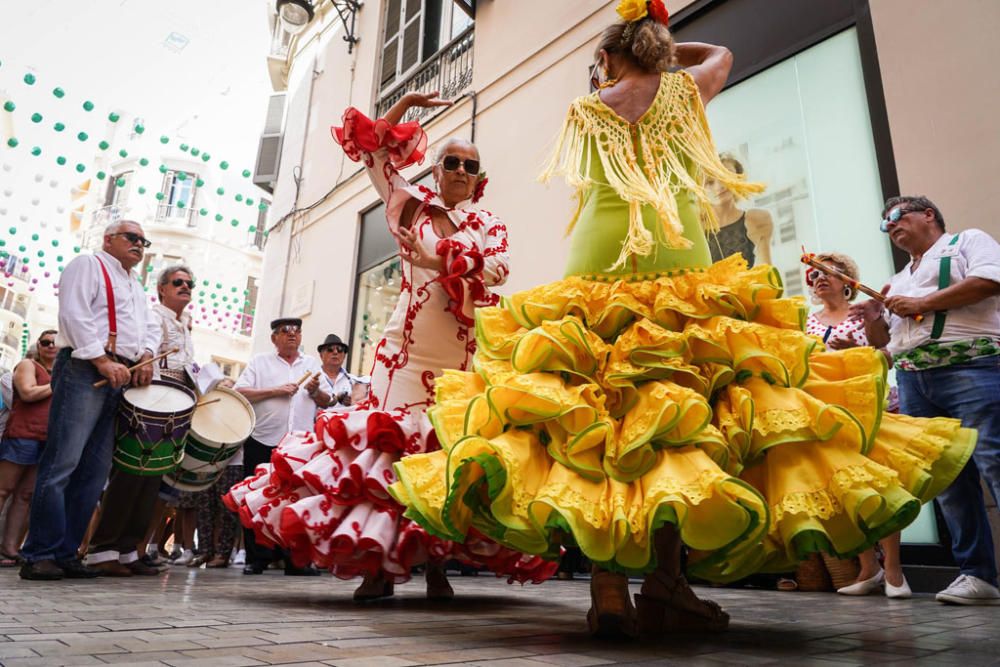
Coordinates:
[295,14]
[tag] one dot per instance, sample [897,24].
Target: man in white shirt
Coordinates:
[129,499]
[273,383]
[948,365]
[336,387]
[97,342]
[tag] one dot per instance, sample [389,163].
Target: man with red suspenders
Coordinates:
[105,326]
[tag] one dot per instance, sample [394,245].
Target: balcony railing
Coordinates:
[448,71]
[172,213]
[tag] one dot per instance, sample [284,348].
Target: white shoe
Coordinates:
[184,558]
[866,587]
[898,592]
[969,590]
[239,558]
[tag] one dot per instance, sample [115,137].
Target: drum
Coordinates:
[152,425]
[222,423]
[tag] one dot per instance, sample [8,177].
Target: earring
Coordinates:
[848,292]
[607,82]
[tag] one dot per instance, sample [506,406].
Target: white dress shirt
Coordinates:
[279,415]
[176,332]
[83,310]
[975,255]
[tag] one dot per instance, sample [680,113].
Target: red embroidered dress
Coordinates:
[324,496]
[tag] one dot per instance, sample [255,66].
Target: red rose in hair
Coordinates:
[658,11]
[480,188]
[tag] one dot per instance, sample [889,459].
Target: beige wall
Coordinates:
[942,91]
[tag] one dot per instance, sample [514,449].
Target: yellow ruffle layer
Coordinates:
[599,411]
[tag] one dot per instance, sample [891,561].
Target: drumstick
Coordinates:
[809,259]
[174,350]
[208,402]
[304,378]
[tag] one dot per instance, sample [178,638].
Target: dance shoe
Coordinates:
[865,587]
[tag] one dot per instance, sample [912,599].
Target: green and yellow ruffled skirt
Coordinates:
[598,411]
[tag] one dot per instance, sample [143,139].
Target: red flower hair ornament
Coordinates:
[658,11]
[480,188]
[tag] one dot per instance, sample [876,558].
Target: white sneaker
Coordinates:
[240,558]
[184,558]
[969,590]
[866,587]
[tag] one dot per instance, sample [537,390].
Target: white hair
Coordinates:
[115,227]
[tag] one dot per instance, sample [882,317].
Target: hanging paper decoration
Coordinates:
[30,79]
[58,92]
[59,127]
[88,105]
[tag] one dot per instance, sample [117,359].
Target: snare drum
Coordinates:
[221,425]
[152,425]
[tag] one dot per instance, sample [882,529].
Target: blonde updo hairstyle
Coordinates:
[645,42]
[845,265]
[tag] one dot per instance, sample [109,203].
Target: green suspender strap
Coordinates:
[944,279]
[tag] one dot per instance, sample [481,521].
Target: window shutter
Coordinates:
[390,43]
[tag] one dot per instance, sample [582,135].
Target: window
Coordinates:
[178,201]
[414,31]
[231,369]
[378,292]
[257,232]
[152,264]
[118,194]
[246,319]
[802,128]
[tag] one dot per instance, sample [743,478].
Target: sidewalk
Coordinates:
[219,618]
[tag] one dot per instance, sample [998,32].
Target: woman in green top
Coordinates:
[652,398]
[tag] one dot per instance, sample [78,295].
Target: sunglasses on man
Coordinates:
[895,215]
[134,239]
[339,349]
[177,282]
[452,162]
[289,329]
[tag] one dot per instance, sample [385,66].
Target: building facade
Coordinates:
[835,104]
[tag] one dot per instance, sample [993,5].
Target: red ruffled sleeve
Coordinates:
[462,279]
[406,143]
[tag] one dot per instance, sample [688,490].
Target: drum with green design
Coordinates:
[152,427]
[222,423]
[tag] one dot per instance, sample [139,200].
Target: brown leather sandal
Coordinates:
[373,588]
[611,614]
[668,605]
[438,587]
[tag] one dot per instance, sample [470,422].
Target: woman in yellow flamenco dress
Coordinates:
[651,398]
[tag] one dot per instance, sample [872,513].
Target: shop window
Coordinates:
[802,128]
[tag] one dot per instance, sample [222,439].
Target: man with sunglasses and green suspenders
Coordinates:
[105,326]
[943,331]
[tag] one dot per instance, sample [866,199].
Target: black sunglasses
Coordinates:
[288,329]
[134,238]
[47,343]
[452,162]
[177,282]
[342,349]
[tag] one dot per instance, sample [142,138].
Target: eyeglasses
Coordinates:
[289,329]
[339,349]
[177,282]
[895,215]
[47,343]
[452,162]
[134,238]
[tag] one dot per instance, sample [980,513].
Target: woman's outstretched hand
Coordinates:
[414,99]
[411,251]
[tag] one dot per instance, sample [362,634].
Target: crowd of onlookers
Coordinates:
[947,363]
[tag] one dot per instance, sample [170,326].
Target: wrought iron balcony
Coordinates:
[448,71]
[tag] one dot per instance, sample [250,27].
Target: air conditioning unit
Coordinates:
[265,173]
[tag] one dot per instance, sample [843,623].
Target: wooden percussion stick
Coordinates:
[304,378]
[208,402]
[174,350]
[810,260]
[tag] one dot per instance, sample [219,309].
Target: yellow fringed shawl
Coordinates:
[671,135]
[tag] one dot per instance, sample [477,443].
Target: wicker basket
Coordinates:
[842,572]
[811,575]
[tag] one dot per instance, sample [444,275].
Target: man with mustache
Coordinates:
[948,365]
[97,342]
[130,499]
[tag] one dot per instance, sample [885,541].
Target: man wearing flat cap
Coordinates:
[336,388]
[278,385]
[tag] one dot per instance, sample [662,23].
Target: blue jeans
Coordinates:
[969,392]
[75,462]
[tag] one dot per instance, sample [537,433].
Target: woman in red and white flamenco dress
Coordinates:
[324,496]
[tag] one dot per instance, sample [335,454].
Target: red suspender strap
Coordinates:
[112,320]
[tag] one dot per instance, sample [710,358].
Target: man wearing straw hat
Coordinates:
[130,498]
[281,385]
[105,327]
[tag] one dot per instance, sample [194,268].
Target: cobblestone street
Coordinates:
[212,617]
